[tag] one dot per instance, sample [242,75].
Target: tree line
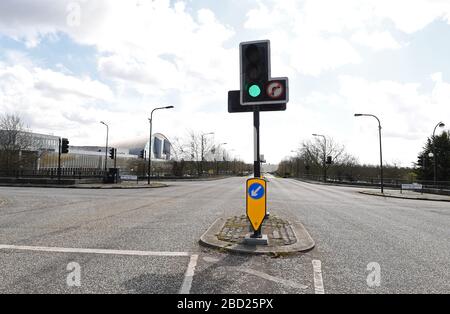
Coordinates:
[313,159]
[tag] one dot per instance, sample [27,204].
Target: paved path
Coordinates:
[145,241]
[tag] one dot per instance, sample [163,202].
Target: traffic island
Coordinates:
[284,237]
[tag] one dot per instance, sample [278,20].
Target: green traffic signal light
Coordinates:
[254,90]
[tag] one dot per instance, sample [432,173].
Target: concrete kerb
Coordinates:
[403,197]
[304,242]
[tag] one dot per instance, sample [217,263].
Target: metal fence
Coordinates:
[73,173]
[441,187]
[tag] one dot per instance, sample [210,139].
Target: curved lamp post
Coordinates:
[324,156]
[202,152]
[106,148]
[441,125]
[150,141]
[381,152]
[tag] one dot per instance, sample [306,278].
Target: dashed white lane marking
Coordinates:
[189,275]
[90,251]
[271,278]
[318,281]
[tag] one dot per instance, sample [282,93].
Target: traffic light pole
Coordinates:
[59,161]
[257,160]
[115,165]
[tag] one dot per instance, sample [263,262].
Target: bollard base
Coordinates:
[264,240]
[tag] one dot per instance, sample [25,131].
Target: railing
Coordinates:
[52,173]
[428,186]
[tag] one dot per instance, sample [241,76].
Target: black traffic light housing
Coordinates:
[329,160]
[142,154]
[257,86]
[64,146]
[112,153]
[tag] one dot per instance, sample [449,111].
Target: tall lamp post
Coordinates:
[202,153]
[324,156]
[150,141]
[106,148]
[381,152]
[217,162]
[297,159]
[441,125]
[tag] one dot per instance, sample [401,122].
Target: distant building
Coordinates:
[161,147]
[42,151]
[33,141]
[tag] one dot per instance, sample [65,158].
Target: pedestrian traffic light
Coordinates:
[142,154]
[257,87]
[64,146]
[112,153]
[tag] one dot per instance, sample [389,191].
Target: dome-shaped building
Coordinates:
[161,147]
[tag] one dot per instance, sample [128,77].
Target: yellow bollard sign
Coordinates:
[256,201]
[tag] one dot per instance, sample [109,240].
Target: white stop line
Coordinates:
[188,277]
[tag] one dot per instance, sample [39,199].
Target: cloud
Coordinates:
[407,113]
[376,40]
[322,33]
[60,86]
[50,100]
[161,52]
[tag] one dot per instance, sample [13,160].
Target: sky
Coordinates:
[67,65]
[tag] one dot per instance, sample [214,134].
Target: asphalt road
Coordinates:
[146,241]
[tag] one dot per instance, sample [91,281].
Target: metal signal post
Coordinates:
[257,160]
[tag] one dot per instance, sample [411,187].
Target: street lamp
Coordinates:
[106,148]
[217,162]
[202,153]
[441,125]
[297,159]
[324,157]
[150,141]
[381,152]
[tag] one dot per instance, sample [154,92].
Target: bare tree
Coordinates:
[314,152]
[15,140]
[196,148]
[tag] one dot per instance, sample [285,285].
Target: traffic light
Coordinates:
[112,153]
[142,154]
[257,87]
[64,146]
[329,160]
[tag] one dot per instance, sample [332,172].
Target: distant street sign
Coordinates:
[128,177]
[414,186]
[256,201]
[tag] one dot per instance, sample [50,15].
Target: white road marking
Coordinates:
[189,275]
[272,278]
[318,281]
[90,251]
[210,259]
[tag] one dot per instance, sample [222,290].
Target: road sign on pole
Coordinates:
[256,203]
